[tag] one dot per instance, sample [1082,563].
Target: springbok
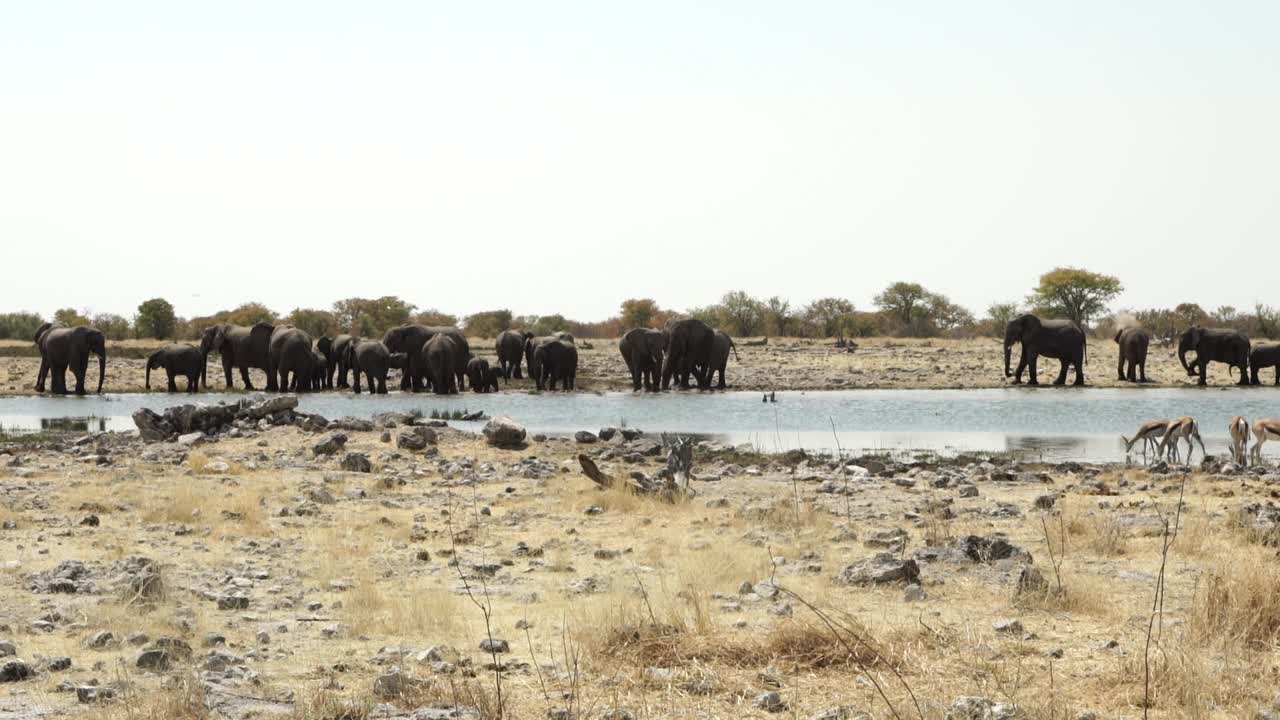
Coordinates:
[1262,430]
[1183,428]
[1239,428]
[1150,434]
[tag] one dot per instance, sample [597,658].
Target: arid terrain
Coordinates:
[782,364]
[272,572]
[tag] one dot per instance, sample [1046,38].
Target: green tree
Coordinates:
[1225,315]
[1073,293]
[829,317]
[70,317]
[20,325]
[155,319]
[316,323]
[432,316]
[906,305]
[640,313]
[114,327]
[777,317]
[743,314]
[489,323]
[248,314]
[548,324]
[371,317]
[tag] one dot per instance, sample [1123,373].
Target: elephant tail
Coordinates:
[734,347]
[204,371]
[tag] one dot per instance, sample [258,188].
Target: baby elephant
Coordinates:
[373,359]
[482,376]
[179,359]
[1264,355]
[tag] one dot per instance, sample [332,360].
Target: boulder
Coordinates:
[504,432]
[152,427]
[878,569]
[259,406]
[329,443]
[356,462]
[14,670]
[585,437]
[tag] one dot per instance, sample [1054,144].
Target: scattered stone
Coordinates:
[410,440]
[585,437]
[494,645]
[1046,501]
[913,593]
[356,462]
[878,569]
[56,664]
[15,670]
[163,654]
[101,640]
[978,708]
[841,712]
[7,648]
[1008,627]
[329,443]
[191,439]
[503,432]
[967,491]
[770,701]
[90,694]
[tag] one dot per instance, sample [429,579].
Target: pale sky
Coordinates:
[563,156]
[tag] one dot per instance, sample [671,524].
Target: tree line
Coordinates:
[903,309]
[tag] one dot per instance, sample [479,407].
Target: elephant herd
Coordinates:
[1065,342]
[429,359]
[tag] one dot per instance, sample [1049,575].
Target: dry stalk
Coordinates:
[1169,533]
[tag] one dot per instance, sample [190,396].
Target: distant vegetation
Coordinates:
[903,309]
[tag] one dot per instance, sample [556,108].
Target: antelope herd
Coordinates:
[1161,437]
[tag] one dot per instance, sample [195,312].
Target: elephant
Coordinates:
[510,347]
[319,370]
[411,339]
[290,362]
[62,348]
[1214,345]
[372,358]
[720,347]
[688,347]
[642,350]
[241,347]
[440,356]
[1133,344]
[1264,355]
[337,353]
[554,361]
[179,359]
[482,377]
[1059,339]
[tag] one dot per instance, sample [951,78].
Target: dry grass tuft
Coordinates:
[182,697]
[199,463]
[1101,534]
[389,608]
[1237,603]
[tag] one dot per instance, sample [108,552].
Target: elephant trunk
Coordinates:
[148,383]
[1008,356]
[102,369]
[1182,358]
[204,371]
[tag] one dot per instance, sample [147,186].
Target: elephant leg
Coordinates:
[1244,376]
[248,384]
[1062,372]
[1032,363]
[193,383]
[1079,363]
[355,380]
[78,368]
[1120,368]
[60,378]
[1142,372]
[44,371]
[173,385]
[1203,368]
[1022,365]
[382,385]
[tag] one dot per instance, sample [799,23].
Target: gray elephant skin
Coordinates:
[290,362]
[440,356]
[179,359]
[319,370]
[240,347]
[1264,355]
[372,359]
[1222,345]
[643,350]
[337,352]
[721,345]
[63,348]
[688,347]
[1132,344]
[412,339]
[531,356]
[510,348]
[482,376]
[1062,340]
[554,361]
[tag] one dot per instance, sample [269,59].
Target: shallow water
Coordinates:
[1048,423]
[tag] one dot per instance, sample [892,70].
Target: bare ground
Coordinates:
[614,605]
[783,364]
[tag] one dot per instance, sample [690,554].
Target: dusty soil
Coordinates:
[783,364]
[306,591]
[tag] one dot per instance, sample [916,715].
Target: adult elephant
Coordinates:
[240,347]
[642,350]
[374,360]
[179,359]
[554,361]
[1132,344]
[721,344]
[439,356]
[290,362]
[1222,345]
[62,348]
[411,339]
[1264,355]
[688,347]
[1059,339]
[510,347]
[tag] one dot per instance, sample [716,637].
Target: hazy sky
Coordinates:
[557,156]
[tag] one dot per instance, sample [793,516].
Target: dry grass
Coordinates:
[1237,603]
[1098,534]
[394,608]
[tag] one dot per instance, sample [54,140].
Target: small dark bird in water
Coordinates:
[770,397]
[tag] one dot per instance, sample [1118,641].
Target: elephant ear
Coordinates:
[41,331]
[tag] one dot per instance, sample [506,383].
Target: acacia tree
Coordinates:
[907,304]
[1073,293]
[70,317]
[155,319]
[371,317]
[113,326]
[829,317]
[640,313]
[316,323]
[741,312]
